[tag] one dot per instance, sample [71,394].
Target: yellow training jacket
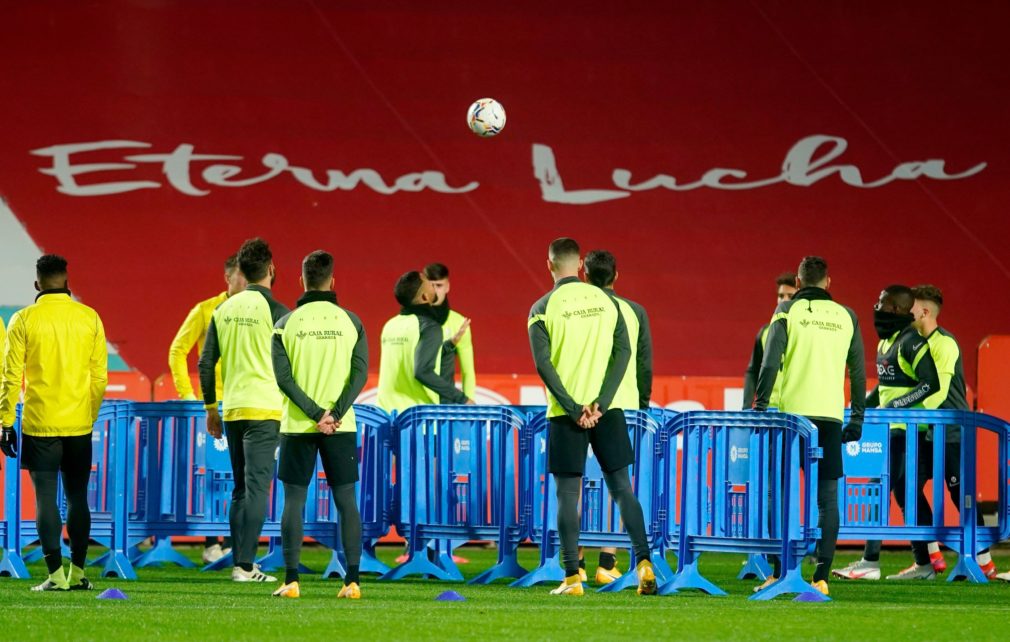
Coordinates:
[57,347]
[193,332]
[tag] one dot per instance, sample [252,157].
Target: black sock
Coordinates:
[78,556]
[352,574]
[607,561]
[290,575]
[246,567]
[582,563]
[54,561]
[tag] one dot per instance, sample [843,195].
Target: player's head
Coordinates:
[50,272]
[786,286]
[927,306]
[256,262]
[563,257]
[233,276]
[895,299]
[813,273]
[438,275]
[601,268]
[317,271]
[413,289]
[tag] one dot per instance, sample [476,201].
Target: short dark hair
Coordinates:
[317,269]
[901,296]
[813,270]
[436,271]
[786,278]
[601,268]
[51,271]
[406,287]
[563,248]
[928,292]
[231,263]
[254,259]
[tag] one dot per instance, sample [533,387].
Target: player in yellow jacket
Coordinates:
[193,332]
[56,346]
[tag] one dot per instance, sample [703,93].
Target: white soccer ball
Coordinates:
[486,117]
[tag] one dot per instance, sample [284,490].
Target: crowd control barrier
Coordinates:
[865,492]
[766,506]
[741,482]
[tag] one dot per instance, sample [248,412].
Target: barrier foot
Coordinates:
[274,560]
[791,582]
[118,565]
[445,562]
[967,568]
[548,571]
[661,566]
[507,567]
[163,553]
[416,564]
[756,568]
[35,555]
[13,566]
[690,578]
[224,562]
[370,562]
[630,579]
[336,567]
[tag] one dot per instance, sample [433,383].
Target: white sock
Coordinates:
[984,558]
[933,547]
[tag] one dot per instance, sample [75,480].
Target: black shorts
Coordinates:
[339,453]
[72,455]
[567,444]
[829,439]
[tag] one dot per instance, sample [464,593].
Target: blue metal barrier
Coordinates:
[456,482]
[601,523]
[865,494]
[723,512]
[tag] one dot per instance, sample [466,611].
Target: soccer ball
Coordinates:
[486,117]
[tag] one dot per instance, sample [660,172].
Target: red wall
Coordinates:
[676,90]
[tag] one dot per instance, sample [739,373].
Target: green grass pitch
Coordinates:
[175,604]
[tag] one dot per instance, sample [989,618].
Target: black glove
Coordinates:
[9,442]
[852,432]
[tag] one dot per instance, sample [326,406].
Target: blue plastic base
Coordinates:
[163,553]
[274,559]
[445,562]
[13,566]
[118,565]
[967,568]
[630,579]
[792,583]
[224,562]
[370,563]
[416,564]
[688,577]
[507,566]
[35,555]
[548,571]
[756,568]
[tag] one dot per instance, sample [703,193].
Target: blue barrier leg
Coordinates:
[13,566]
[417,564]
[549,570]
[163,553]
[791,583]
[224,562]
[337,567]
[756,568]
[118,565]
[690,578]
[967,568]
[630,579]
[274,558]
[443,557]
[133,554]
[507,566]
[370,561]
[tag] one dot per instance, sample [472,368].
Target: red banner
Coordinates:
[708,145]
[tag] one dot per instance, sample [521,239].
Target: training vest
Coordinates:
[462,355]
[812,376]
[580,320]
[627,394]
[244,324]
[319,339]
[193,332]
[897,360]
[399,389]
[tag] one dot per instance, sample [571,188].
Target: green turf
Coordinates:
[175,604]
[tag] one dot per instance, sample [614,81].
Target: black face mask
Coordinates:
[887,323]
